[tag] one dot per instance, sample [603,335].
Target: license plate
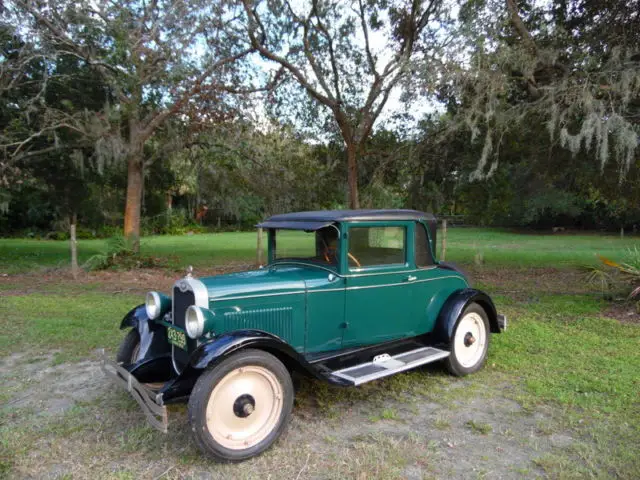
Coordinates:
[177,337]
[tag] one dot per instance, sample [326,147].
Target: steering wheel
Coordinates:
[328,252]
[355,260]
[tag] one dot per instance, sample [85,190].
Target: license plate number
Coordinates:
[177,338]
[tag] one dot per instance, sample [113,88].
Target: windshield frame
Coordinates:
[272,249]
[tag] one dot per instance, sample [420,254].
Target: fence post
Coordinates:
[444,240]
[259,253]
[73,241]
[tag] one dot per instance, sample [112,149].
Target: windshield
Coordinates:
[320,246]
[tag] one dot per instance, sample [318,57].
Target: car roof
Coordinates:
[352,215]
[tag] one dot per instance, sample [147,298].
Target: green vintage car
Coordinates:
[347,297]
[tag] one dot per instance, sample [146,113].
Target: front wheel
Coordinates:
[129,348]
[470,342]
[240,407]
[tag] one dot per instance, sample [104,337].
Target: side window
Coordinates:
[370,246]
[423,255]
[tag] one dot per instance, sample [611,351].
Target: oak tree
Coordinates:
[347,56]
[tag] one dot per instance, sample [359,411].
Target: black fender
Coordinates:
[453,308]
[211,353]
[221,347]
[153,338]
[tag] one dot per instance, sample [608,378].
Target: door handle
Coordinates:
[411,278]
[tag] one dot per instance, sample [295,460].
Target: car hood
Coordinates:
[266,281]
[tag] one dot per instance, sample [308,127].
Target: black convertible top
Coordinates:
[323,216]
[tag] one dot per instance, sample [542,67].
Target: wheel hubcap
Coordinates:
[470,340]
[244,407]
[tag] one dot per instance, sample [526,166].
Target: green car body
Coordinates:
[363,299]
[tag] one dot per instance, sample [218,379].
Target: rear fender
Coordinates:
[153,336]
[453,308]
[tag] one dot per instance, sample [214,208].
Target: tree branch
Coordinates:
[365,31]
[519,25]
[254,20]
[332,56]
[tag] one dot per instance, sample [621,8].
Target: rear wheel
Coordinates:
[470,341]
[129,348]
[240,407]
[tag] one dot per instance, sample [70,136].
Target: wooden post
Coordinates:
[74,246]
[444,240]
[621,233]
[259,253]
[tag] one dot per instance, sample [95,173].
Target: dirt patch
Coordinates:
[110,281]
[624,313]
[70,420]
[518,281]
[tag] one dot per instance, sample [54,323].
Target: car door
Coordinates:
[378,284]
[431,286]
[325,312]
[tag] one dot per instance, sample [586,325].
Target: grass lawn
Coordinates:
[572,371]
[498,247]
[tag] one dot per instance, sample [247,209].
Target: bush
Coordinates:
[119,254]
[622,278]
[172,222]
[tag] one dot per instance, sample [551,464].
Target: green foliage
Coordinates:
[621,277]
[120,254]
[172,222]
[547,166]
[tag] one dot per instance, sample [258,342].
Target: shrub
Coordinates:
[623,277]
[119,254]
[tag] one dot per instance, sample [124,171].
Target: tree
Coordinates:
[328,49]
[161,59]
[573,65]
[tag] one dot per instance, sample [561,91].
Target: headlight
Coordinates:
[198,321]
[156,304]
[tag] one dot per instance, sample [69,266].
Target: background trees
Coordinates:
[159,60]
[166,117]
[348,56]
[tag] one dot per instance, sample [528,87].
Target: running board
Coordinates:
[385,365]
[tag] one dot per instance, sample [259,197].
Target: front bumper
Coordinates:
[150,402]
[502,322]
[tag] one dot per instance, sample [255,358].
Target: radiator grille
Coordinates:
[277,321]
[182,301]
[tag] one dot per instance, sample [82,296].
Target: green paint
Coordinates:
[317,308]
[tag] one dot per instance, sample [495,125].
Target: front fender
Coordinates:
[453,308]
[135,317]
[210,353]
[153,336]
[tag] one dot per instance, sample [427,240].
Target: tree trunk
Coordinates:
[352,175]
[134,201]
[75,270]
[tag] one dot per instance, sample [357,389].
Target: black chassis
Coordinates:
[154,365]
